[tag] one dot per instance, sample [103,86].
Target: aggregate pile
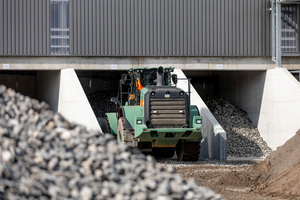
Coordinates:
[101,104]
[243,138]
[43,156]
[279,174]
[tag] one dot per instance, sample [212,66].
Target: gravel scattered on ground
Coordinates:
[43,156]
[243,138]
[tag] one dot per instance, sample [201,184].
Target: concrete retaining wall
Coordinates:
[280,109]
[47,87]
[214,143]
[73,103]
[244,89]
[271,98]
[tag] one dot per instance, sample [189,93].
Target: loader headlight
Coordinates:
[139,121]
[181,93]
[152,93]
[199,121]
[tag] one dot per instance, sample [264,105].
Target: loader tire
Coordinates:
[163,152]
[125,136]
[104,124]
[188,150]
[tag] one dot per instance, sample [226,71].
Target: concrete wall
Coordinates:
[244,89]
[214,136]
[47,87]
[20,81]
[184,63]
[109,63]
[271,99]
[73,103]
[280,109]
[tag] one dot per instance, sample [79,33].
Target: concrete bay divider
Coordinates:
[279,117]
[73,103]
[214,136]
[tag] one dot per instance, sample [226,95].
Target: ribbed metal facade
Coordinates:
[24,27]
[170,27]
[141,27]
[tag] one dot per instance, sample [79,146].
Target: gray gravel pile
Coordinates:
[43,156]
[243,138]
[101,104]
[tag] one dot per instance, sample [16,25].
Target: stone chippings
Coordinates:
[243,138]
[43,156]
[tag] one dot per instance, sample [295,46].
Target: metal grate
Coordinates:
[167,113]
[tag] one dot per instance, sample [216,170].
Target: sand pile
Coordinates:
[279,174]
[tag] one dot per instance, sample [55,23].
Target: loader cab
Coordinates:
[132,83]
[150,76]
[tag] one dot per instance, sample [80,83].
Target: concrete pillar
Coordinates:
[73,103]
[280,108]
[214,136]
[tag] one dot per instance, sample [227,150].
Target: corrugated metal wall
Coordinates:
[141,27]
[24,27]
[170,27]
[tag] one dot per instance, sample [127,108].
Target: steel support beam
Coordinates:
[273,18]
[278,33]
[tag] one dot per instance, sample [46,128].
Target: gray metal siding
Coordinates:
[24,27]
[141,27]
[169,28]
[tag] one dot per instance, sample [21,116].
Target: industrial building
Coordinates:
[58,51]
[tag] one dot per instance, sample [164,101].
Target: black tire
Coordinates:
[180,150]
[163,152]
[188,150]
[103,122]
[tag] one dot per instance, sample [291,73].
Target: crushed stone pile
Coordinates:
[279,174]
[100,102]
[43,156]
[243,138]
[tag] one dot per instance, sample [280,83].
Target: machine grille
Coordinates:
[167,113]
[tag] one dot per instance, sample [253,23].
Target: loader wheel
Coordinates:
[188,150]
[104,124]
[163,152]
[125,136]
[121,130]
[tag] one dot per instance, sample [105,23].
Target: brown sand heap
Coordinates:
[279,174]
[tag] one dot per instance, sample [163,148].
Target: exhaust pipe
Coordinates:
[160,76]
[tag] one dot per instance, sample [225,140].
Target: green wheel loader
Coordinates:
[154,115]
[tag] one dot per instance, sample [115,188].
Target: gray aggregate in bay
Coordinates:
[43,156]
[243,138]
